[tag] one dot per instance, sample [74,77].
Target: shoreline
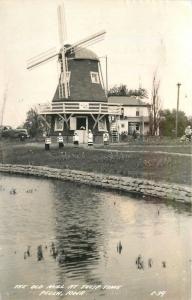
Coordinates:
[142,187]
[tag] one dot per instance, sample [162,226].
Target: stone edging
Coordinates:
[132,185]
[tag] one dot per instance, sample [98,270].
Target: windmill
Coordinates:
[79,103]
[64,53]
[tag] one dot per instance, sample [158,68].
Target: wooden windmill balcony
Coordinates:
[79,108]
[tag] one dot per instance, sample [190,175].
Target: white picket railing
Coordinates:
[79,108]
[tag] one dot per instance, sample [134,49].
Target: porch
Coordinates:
[69,117]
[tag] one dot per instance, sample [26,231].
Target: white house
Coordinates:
[134,114]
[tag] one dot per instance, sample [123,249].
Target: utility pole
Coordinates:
[106,75]
[176,125]
[3,106]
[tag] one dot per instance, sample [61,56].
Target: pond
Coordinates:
[95,244]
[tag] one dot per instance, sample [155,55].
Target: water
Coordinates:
[89,223]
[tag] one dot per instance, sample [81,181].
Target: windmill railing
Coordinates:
[79,108]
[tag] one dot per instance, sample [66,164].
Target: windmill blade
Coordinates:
[42,58]
[62,28]
[87,44]
[35,64]
[63,84]
[92,38]
[42,54]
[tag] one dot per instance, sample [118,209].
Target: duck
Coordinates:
[164,264]
[53,250]
[61,257]
[139,262]
[150,262]
[138,259]
[13,191]
[39,253]
[119,247]
[28,250]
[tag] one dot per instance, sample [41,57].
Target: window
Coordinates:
[122,125]
[94,77]
[59,124]
[102,125]
[137,113]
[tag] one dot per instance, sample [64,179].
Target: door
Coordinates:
[133,126]
[82,129]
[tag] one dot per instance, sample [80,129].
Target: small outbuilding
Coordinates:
[135,115]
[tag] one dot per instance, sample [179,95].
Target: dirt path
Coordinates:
[146,151]
[100,148]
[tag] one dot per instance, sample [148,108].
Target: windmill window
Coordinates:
[95,77]
[102,125]
[59,124]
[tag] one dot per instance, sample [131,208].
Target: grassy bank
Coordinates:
[159,167]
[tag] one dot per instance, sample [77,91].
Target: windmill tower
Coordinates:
[79,102]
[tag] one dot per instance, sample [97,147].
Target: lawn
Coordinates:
[150,165]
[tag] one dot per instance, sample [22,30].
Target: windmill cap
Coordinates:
[82,53]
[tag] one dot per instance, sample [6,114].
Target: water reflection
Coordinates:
[78,230]
[97,238]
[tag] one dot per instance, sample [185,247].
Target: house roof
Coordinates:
[83,53]
[127,101]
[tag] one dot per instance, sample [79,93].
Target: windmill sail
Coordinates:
[87,44]
[64,84]
[41,58]
[62,28]
[64,89]
[86,41]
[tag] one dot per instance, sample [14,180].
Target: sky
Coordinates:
[143,37]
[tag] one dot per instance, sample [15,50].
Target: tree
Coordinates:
[34,124]
[167,122]
[141,93]
[190,121]
[154,118]
[122,90]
